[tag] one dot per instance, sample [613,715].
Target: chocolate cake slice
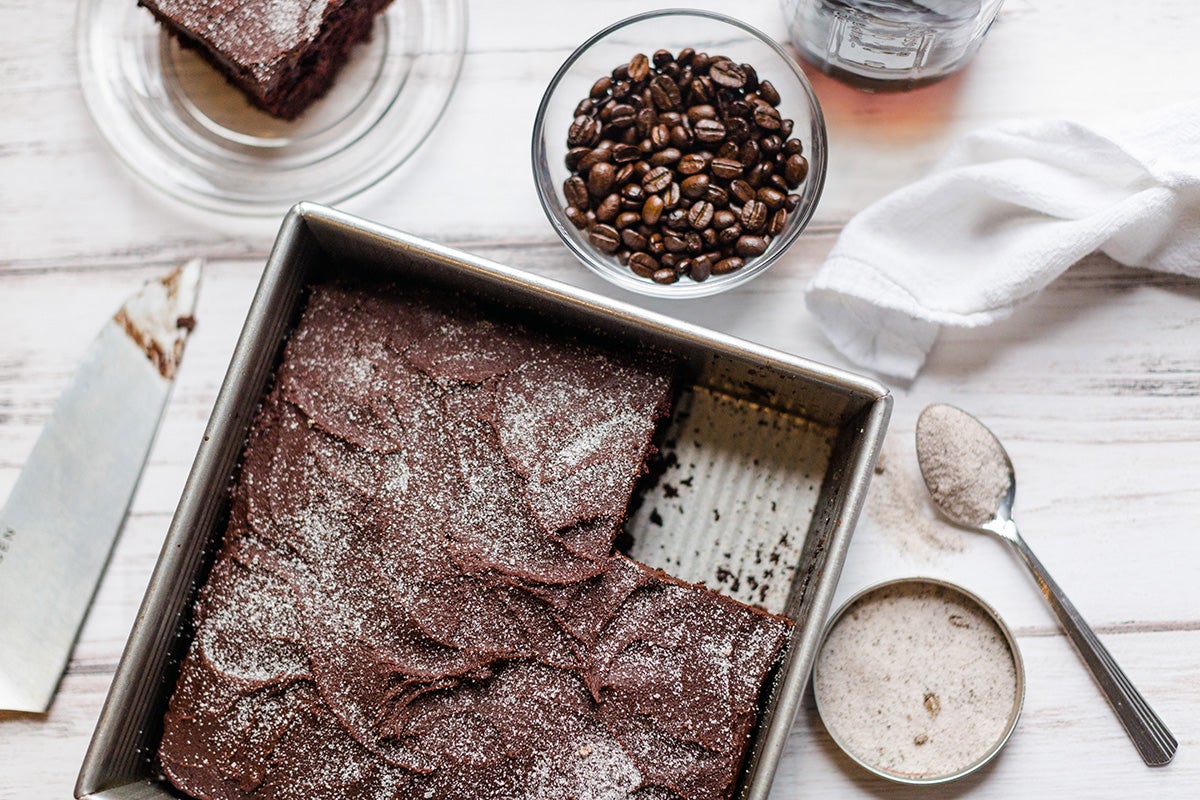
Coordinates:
[417,593]
[282,54]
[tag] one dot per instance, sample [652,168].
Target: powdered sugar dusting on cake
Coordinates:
[295,20]
[418,596]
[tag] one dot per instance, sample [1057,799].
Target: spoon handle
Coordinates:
[1149,734]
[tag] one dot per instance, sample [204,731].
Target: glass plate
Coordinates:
[178,125]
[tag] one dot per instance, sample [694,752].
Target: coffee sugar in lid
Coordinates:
[918,681]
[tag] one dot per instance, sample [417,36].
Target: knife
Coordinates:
[59,524]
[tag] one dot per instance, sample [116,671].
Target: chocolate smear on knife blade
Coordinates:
[159,317]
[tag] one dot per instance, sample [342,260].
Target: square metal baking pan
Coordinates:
[747,418]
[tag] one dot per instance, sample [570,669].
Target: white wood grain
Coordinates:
[1094,386]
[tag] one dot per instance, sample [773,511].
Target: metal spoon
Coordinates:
[971,479]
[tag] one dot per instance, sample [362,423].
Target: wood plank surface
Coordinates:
[1094,386]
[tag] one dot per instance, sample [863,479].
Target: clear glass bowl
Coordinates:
[175,122]
[673,30]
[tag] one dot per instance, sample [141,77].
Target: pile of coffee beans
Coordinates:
[681,165]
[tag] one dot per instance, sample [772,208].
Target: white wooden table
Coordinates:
[1094,386]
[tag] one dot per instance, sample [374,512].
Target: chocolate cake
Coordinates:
[282,54]
[417,594]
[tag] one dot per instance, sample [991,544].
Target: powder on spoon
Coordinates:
[964,466]
[917,680]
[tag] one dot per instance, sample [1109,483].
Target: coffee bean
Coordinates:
[625,153]
[576,191]
[660,136]
[674,242]
[772,198]
[699,112]
[737,129]
[574,155]
[727,237]
[639,67]
[723,218]
[677,219]
[626,219]
[695,186]
[609,208]
[795,169]
[665,93]
[727,265]
[751,84]
[701,90]
[605,238]
[793,147]
[657,179]
[741,190]
[695,245]
[760,173]
[778,222]
[622,116]
[728,150]
[749,152]
[779,182]
[634,240]
[632,195]
[655,245]
[767,91]
[601,152]
[600,179]
[665,157]
[766,118]
[709,131]
[726,168]
[700,215]
[600,88]
[701,268]
[754,215]
[671,196]
[665,276]
[584,131]
[646,120]
[693,163]
[662,58]
[643,264]
[717,195]
[771,144]
[576,217]
[737,108]
[652,210]
[727,74]
[750,246]
[681,137]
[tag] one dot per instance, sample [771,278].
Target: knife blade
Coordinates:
[58,525]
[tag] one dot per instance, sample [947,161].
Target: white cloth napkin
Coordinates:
[1002,215]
